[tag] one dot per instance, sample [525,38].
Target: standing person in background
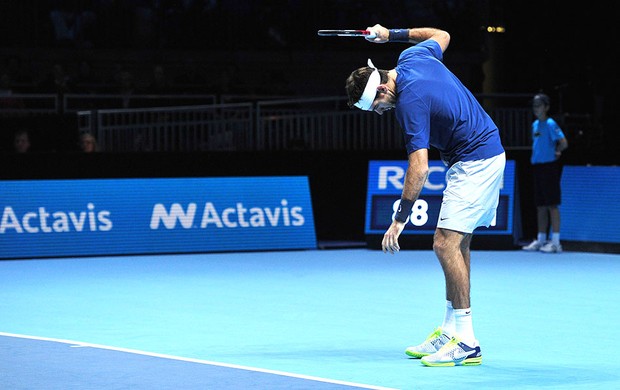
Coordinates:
[434,108]
[548,143]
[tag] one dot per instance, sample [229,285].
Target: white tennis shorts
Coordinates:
[472,194]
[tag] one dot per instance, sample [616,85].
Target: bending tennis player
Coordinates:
[434,109]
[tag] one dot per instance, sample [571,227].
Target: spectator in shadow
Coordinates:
[86,80]
[231,81]
[145,15]
[21,141]
[56,81]
[190,78]
[73,23]
[158,84]
[125,86]
[88,143]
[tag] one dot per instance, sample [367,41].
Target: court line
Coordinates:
[79,344]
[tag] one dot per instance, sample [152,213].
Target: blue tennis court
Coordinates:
[312,319]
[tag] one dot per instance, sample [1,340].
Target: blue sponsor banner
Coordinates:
[590,204]
[55,218]
[385,185]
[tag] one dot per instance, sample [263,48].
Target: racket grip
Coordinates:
[371,35]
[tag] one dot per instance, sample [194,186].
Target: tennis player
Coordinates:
[434,109]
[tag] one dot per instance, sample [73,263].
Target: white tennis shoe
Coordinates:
[534,246]
[432,344]
[550,247]
[455,353]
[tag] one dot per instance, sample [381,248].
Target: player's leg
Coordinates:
[452,250]
[447,248]
[465,252]
[470,200]
[447,241]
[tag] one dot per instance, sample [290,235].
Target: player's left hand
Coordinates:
[390,238]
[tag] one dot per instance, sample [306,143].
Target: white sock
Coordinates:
[449,325]
[464,326]
[555,238]
[542,237]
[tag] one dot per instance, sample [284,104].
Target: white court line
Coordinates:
[79,344]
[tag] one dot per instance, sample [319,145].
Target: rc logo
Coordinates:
[394,177]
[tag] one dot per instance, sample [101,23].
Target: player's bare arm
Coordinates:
[415,35]
[417,172]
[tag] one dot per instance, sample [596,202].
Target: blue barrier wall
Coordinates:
[55,218]
[590,208]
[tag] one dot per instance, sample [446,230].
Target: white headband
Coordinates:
[365,102]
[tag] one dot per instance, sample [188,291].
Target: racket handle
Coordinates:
[371,35]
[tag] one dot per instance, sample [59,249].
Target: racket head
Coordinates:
[346,33]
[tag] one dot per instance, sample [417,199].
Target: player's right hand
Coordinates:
[381,34]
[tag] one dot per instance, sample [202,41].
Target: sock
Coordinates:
[448,325]
[542,237]
[555,238]
[464,326]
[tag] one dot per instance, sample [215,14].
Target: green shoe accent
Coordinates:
[472,361]
[467,362]
[416,355]
[428,364]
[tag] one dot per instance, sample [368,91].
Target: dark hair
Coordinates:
[356,83]
[544,99]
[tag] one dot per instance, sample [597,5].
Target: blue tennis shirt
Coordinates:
[435,109]
[545,135]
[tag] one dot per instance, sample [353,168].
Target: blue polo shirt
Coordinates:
[545,135]
[435,109]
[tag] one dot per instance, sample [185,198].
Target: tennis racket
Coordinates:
[347,33]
